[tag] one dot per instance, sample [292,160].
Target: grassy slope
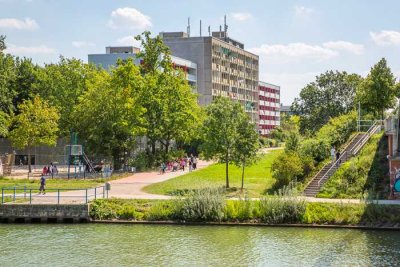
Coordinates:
[258,178]
[362,175]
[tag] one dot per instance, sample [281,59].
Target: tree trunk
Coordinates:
[29,161]
[116,158]
[227,169]
[244,162]
[166,147]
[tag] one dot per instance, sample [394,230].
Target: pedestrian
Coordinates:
[337,158]
[44,171]
[190,165]
[333,152]
[194,162]
[42,188]
[183,163]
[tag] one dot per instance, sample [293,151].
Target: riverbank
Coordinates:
[266,212]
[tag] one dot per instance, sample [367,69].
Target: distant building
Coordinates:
[269,105]
[109,60]
[224,67]
[285,110]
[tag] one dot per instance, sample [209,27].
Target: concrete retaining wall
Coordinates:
[44,213]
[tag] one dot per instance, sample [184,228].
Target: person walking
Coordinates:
[42,188]
[333,153]
[194,162]
[183,163]
[190,165]
[337,158]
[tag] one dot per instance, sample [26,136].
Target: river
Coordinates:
[168,245]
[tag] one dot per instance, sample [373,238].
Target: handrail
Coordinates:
[359,143]
[374,127]
[336,163]
[344,149]
[27,193]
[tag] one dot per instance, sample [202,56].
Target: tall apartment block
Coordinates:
[224,68]
[113,53]
[269,98]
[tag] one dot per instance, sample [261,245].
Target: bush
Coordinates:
[318,149]
[202,205]
[286,167]
[292,142]
[240,210]
[338,130]
[161,211]
[284,207]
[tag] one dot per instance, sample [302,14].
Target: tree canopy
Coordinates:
[332,94]
[378,91]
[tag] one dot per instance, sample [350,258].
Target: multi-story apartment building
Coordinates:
[269,105]
[224,68]
[109,60]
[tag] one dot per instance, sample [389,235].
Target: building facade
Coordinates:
[109,60]
[224,68]
[269,106]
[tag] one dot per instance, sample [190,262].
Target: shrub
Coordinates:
[239,210]
[161,211]
[292,142]
[283,207]
[202,205]
[318,149]
[286,167]
[102,210]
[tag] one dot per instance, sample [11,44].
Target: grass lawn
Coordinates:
[50,183]
[258,179]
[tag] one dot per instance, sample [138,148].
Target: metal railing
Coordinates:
[354,150]
[375,127]
[24,195]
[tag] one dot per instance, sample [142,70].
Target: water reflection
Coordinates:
[151,245]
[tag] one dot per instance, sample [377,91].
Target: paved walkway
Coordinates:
[132,186]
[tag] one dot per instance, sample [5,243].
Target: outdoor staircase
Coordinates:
[353,146]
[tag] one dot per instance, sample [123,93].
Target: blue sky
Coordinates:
[296,40]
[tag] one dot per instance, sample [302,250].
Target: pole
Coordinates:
[30,196]
[58,196]
[15,191]
[95,192]
[86,197]
[104,191]
[359,116]
[2,196]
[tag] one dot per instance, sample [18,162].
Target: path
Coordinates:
[132,186]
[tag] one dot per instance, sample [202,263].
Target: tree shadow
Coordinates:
[377,185]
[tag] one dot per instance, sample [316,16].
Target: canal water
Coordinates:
[168,245]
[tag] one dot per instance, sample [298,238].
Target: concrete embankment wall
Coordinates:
[44,213]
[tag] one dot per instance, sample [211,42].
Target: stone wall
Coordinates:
[44,213]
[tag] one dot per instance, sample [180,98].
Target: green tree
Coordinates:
[2,43]
[246,145]
[378,91]
[332,94]
[4,123]
[62,84]
[35,125]
[25,80]
[172,112]
[7,83]
[108,115]
[221,131]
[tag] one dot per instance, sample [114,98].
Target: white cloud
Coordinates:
[302,11]
[129,40]
[30,50]
[386,38]
[26,24]
[129,18]
[357,49]
[295,51]
[241,16]
[82,44]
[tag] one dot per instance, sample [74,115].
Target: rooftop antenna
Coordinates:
[188,27]
[200,28]
[225,28]
[209,30]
